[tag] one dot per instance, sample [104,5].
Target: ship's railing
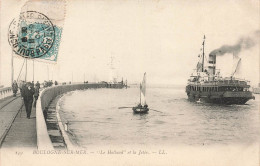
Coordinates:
[221,83]
[5,92]
[218,79]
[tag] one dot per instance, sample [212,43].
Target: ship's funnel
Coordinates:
[212,59]
[212,64]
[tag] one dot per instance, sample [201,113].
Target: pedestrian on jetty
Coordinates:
[27,97]
[15,88]
[36,95]
[21,86]
[38,85]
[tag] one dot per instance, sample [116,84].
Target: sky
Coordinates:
[162,38]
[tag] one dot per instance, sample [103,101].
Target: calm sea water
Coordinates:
[96,120]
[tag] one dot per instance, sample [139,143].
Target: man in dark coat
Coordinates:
[27,96]
[38,85]
[36,95]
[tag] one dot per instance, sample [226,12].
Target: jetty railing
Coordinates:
[46,96]
[5,92]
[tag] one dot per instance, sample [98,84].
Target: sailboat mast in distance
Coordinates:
[143,90]
[112,77]
[140,93]
[203,53]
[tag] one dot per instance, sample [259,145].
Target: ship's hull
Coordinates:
[226,97]
[138,110]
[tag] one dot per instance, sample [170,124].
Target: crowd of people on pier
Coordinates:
[30,92]
[16,86]
[49,83]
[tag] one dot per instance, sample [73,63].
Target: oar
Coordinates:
[124,107]
[155,110]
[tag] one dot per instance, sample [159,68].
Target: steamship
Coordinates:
[207,86]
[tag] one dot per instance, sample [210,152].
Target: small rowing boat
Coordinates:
[142,107]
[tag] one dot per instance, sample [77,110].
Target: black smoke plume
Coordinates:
[243,43]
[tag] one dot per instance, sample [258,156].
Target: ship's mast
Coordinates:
[111,62]
[203,44]
[112,68]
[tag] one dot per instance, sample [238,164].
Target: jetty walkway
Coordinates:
[15,129]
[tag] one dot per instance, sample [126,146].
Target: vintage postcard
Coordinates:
[129,82]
